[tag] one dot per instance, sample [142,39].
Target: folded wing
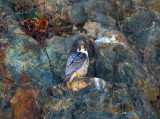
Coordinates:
[75,61]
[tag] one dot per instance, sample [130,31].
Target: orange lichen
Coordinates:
[41,24]
[3,61]
[19,112]
[28,18]
[4,68]
[24,104]
[24,75]
[4,86]
[2,54]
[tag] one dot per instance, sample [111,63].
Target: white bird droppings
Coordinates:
[99,83]
[106,40]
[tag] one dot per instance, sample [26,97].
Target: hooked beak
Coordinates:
[82,47]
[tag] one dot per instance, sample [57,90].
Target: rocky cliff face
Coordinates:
[123,42]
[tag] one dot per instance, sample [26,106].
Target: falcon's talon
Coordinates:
[78,76]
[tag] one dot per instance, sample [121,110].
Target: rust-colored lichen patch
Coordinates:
[24,104]
[25,76]
[4,86]
[3,60]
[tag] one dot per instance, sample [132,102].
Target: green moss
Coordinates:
[37,14]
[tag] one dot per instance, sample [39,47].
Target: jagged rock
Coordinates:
[122,80]
[93,11]
[143,27]
[114,102]
[24,103]
[146,37]
[123,66]
[96,11]
[20,5]
[155,5]
[26,50]
[78,14]
[95,29]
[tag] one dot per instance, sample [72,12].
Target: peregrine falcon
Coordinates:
[77,66]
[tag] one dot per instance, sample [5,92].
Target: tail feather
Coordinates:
[65,80]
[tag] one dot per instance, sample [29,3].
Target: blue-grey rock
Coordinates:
[117,103]
[78,14]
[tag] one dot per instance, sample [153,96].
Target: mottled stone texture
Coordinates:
[122,81]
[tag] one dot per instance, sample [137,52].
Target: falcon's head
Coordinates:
[81,48]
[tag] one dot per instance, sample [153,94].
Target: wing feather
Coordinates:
[75,61]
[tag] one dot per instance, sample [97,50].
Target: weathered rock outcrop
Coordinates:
[123,76]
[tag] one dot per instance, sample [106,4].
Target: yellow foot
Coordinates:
[78,76]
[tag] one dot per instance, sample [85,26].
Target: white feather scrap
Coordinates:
[106,40]
[99,83]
